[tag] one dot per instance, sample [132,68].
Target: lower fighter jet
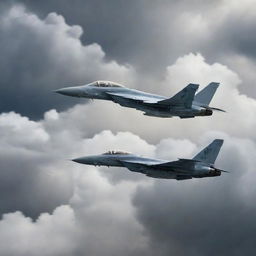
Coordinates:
[202,165]
[184,104]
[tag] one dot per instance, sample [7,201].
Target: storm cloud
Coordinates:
[153,34]
[39,56]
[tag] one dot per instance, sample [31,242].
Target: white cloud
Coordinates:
[49,235]
[18,131]
[100,218]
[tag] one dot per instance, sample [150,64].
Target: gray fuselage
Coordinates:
[131,99]
[152,167]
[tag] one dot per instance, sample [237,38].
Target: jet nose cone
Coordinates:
[78,160]
[70,91]
[61,91]
[85,160]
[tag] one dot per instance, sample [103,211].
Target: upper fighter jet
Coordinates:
[202,165]
[184,104]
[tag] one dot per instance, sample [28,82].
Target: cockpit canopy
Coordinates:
[106,84]
[114,152]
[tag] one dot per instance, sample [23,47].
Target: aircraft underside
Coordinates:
[156,173]
[150,110]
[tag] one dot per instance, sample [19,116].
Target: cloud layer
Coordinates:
[52,206]
[152,34]
[111,210]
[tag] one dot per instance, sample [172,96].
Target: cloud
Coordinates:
[99,220]
[109,211]
[35,164]
[22,132]
[50,234]
[41,55]
[161,31]
[143,216]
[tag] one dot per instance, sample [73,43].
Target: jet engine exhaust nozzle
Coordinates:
[215,172]
[208,112]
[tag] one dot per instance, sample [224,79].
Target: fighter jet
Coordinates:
[202,165]
[184,104]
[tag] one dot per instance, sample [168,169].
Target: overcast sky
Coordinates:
[52,206]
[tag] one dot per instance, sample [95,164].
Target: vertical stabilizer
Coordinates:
[205,96]
[210,153]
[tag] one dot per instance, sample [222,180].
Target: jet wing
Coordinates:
[181,166]
[142,166]
[135,167]
[139,164]
[127,96]
[173,165]
[143,162]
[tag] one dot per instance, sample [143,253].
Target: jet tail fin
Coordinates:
[205,96]
[210,153]
[184,97]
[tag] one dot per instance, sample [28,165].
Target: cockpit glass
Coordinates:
[113,152]
[106,84]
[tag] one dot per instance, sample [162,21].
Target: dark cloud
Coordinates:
[27,188]
[217,218]
[211,220]
[155,29]
[152,34]
[39,56]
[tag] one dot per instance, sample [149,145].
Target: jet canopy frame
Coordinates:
[106,84]
[116,152]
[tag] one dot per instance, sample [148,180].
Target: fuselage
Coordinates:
[131,99]
[151,167]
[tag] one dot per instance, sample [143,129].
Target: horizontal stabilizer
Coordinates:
[222,170]
[183,98]
[216,109]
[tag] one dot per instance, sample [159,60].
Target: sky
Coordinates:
[52,206]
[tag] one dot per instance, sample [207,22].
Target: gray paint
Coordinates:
[181,104]
[198,167]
